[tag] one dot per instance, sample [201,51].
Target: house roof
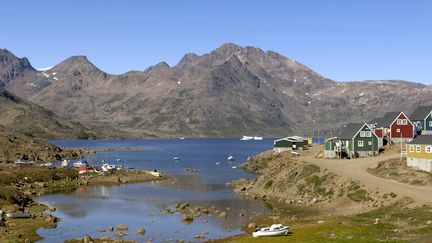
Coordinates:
[291,139]
[375,121]
[421,113]
[422,139]
[388,119]
[351,130]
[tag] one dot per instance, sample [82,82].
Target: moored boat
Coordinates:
[81,163]
[273,230]
[65,163]
[257,138]
[245,138]
[231,158]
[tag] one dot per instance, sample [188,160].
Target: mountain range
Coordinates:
[229,92]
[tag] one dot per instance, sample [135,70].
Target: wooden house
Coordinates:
[358,140]
[422,119]
[290,143]
[331,147]
[394,127]
[419,153]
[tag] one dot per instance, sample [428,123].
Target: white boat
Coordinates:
[65,163]
[81,163]
[218,163]
[155,173]
[176,158]
[107,167]
[257,138]
[231,158]
[118,160]
[182,138]
[245,138]
[274,230]
[234,167]
[47,164]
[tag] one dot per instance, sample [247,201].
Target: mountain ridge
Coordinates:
[229,91]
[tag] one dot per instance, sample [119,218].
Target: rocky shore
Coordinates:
[283,179]
[319,205]
[21,216]
[14,146]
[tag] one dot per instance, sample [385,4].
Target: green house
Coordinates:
[289,143]
[358,140]
[330,147]
[422,119]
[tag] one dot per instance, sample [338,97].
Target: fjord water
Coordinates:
[90,209]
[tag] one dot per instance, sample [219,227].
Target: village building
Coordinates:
[290,143]
[356,140]
[331,146]
[419,153]
[394,127]
[422,120]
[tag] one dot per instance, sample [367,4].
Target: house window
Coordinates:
[430,123]
[360,143]
[398,130]
[412,148]
[370,143]
[362,134]
[418,149]
[368,134]
[428,149]
[398,121]
[405,122]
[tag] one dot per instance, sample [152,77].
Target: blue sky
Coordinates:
[342,40]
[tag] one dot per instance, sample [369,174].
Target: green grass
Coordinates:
[268,184]
[359,195]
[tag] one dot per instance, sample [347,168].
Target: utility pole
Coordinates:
[401,146]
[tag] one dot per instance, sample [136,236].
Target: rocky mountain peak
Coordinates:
[76,64]
[162,65]
[10,64]
[187,60]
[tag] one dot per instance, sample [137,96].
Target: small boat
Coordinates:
[81,163]
[65,163]
[47,164]
[257,138]
[234,167]
[218,163]
[118,160]
[24,162]
[176,158]
[245,138]
[18,215]
[231,158]
[182,138]
[274,230]
[155,173]
[108,167]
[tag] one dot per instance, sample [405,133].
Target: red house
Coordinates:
[393,127]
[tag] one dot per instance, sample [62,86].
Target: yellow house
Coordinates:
[419,153]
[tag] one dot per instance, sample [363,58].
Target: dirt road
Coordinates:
[356,169]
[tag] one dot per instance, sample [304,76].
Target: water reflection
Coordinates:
[90,209]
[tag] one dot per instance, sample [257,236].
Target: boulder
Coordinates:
[87,239]
[187,218]
[141,231]
[122,227]
[222,215]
